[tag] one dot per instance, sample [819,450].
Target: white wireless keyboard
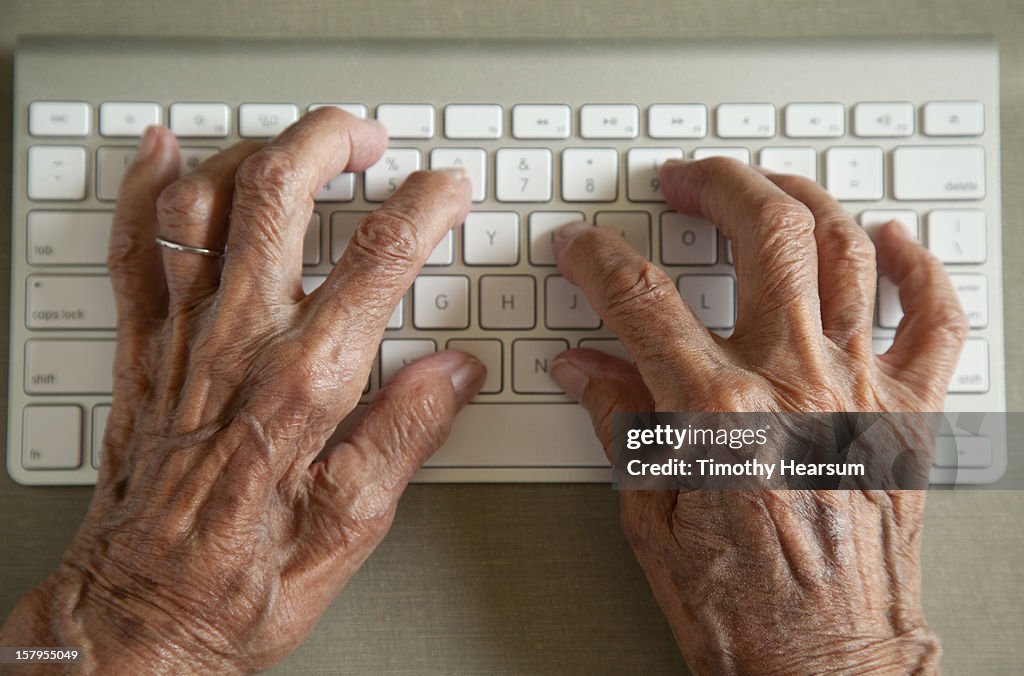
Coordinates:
[550,133]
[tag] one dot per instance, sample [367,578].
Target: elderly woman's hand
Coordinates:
[219,532]
[759,581]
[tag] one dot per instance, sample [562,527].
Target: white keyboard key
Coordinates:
[68,237]
[954,118]
[609,121]
[69,302]
[815,120]
[890,311]
[111,163]
[390,171]
[407,120]
[51,437]
[397,318]
[798,161]
[711,297]
[489,354]
[635,227]
[473,121]
[938,172]
[507,302]
[609,346]
[443,253]
[491,238]
[357,109]
[396,353]
[59,118]
[971,373]
[523,175]
[566,307]
[200,120]
[56,173]
[741,154]
[854,173]
[343,226]
[872,219]
[128,119]
[745,120]
[883,119]
[590,175]
[963,452]
[531,121]
[69,366]
[973,293]
[531,363]
[880,346]
[263,120]
[543,225]
[686,240]
[99,427]
[473,160]
[191,157]
[642,167]
[440,302]
[311,242]
[311,283]
[958,235]
[677,120]
[341,188]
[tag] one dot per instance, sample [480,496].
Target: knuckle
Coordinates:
[272,170]
[391,237]
[784,217]
[634,287]
[427,406]
[850,244]
[184,202]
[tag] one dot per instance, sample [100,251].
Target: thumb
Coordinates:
[603,385]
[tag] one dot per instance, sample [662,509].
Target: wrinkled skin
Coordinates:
[763,581]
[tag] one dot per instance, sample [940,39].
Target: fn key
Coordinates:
[51,437]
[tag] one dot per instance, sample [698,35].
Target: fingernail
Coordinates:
[148,142]
[572,380]
[676,162]
[456,173]
[468,378]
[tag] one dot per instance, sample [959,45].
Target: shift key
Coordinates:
[69,366]
[69,302]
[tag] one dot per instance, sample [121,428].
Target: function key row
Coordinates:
[529,121]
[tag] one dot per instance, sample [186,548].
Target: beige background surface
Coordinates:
[538,579]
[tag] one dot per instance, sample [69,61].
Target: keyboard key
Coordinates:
[390,171]
[745,120]
[740,154]
[311,242]
[507,302]
[407,120]
[397,318]
[341,188]
[686,240]
[609,121]
[69,302]
[357,109]
[963,452]
[99,428]
[954,118]
[890,311]
[635,227]
[491,238]
[973,293]
[56,173]
[263,120]
[200,120]
[530,121]
[609,346]
[590,175]
[566,307]
[111,163]
[873,219]
[543,225]
[396,353]
[69,366]
[489,354]
[523,175]
[59,118]
[531,361]
[443,253]
[473,121]
[958,235]
[473,160]
[643,165]
[796,161]
[884,119]
[711,297]
[815,120]
[938,172]
[854,173]
[51,437]
[128,119]
[971,373]
[677,120]
[440,302]
[68,237]
[343,226]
